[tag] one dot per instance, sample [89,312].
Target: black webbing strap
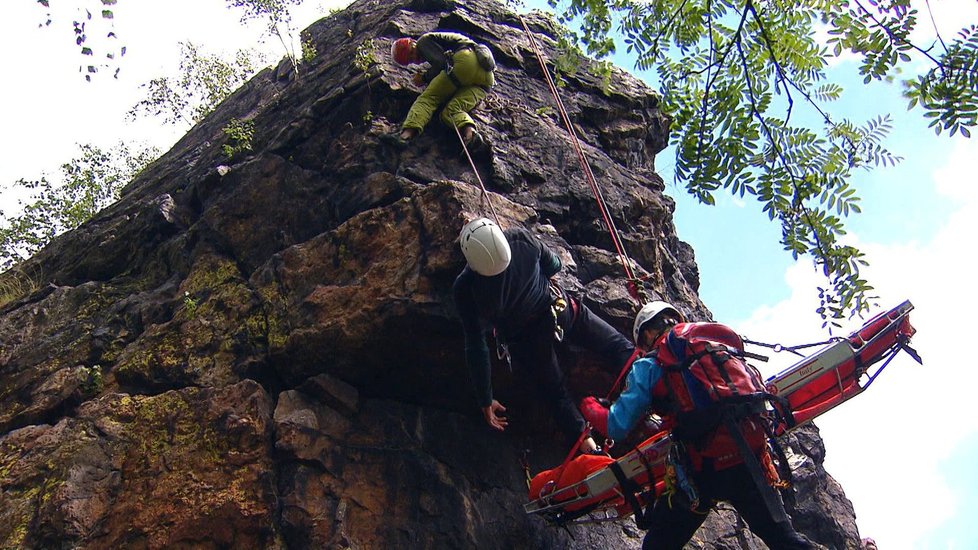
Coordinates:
[784,471]
[450,71]
[770,497]
[629,489]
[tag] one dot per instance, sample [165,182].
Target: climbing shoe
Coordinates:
[394,140]
[476,144]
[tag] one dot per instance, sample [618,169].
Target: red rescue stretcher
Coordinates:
[589,488]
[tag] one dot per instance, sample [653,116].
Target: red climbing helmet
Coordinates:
[402,50]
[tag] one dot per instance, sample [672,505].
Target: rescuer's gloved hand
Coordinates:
[596,413]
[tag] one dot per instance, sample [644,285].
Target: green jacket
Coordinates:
[436,48]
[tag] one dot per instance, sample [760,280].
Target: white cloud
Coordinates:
[886,446]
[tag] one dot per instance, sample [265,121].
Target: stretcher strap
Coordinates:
[770,497]
[629,489]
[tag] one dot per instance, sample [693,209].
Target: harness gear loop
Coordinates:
[557,306]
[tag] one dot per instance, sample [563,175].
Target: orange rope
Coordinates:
[588,174]
[602,207]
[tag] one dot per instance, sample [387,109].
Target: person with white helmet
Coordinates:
[713,476]
[459,77]
[506,286]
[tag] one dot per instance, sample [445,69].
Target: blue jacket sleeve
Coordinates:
[636,400]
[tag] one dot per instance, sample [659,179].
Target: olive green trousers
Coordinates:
[457,101]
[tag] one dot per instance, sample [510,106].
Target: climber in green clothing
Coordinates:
[460,76]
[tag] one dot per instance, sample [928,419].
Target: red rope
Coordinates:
[605,214]
[588,174]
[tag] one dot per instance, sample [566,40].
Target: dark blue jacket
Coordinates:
[506,302]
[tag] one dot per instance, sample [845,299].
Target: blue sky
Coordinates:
[961,475]
[904,451]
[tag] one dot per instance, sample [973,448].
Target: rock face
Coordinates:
[261,350]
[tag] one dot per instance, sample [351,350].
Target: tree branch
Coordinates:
[666,27]
[896,39]
[779,71]
[710,79]
[780,154]
[937,31]
[768,43]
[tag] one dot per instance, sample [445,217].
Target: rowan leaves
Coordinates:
[747,87]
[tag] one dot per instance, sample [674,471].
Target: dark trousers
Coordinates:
[672,527]
[534,349]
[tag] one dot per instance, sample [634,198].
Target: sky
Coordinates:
[904,451]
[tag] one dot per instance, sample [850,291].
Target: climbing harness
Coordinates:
[679,486]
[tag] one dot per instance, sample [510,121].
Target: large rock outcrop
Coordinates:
[261,351]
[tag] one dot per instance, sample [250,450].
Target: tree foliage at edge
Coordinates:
[734,76]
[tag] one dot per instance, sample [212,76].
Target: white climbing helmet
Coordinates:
[485,247]
[649,311]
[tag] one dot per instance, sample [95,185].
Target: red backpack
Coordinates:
[705,379]
[719,404]
[714,355]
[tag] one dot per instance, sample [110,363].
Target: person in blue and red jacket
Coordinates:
[717,471]
[506,286]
